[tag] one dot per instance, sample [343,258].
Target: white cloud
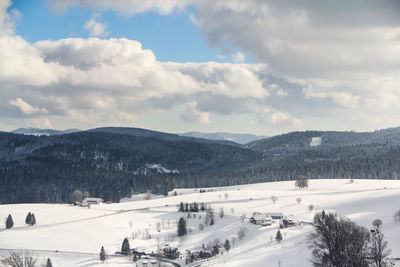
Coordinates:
[275,117]
[312,65]
[192,115]
[95,27]
[238,57]
[27,108]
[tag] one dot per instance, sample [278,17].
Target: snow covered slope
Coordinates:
[78,233]
[316,141]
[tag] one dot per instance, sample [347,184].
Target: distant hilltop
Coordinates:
[40,132]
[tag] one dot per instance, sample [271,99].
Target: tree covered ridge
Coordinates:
[112,166]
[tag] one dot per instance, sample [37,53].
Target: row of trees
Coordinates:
[191,207]
[30,219]
[339,242]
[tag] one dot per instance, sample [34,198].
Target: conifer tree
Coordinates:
[102,254]
[181,207]
[28,218]
[9,222]
[227,245]
[278,236]
[33,219]
[48,263]
[125,249]
[182,227]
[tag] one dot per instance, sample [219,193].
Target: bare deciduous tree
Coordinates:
[20,259]
[310,208]
[298,200]
[301,181]
[379,250]
[274,199]
[377,223]
[76,196]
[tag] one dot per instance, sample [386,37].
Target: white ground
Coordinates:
[316,141]
[78,233]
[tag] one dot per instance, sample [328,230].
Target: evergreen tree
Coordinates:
[181,207]
[215,250]
[48,263]
[186,207]
[28,218]
[33,219]
[125,249]
[278,236]
[227,245]
[202,207]
[9,222]
[102,254]
[182,227]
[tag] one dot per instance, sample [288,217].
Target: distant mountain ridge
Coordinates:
[139,132]
[39,132]
[237,138]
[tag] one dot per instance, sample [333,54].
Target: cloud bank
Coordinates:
[320,65]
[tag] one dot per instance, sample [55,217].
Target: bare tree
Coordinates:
[379,250]
[298,200]
[396,216]
[226,195]
[242,233]
[274,199]
[20,259]
[377,223]
[158,226]
[148,195]
[338,242]
[310,208]
[221,212]
[76,196]
[301,182]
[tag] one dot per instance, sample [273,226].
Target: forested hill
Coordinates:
[114,162]
[109,165]
[159,135]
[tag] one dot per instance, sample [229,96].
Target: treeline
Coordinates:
[113,166]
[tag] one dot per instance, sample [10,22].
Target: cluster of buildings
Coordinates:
[267,219]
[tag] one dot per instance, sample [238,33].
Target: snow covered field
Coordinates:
[78,233]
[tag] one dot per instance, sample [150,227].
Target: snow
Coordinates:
[160,169]
[316,141]
[78,233]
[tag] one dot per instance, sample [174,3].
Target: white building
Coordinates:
[92,201]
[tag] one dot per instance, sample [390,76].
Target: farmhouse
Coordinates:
[287,222]
[275,215]
[261,219]
[92,201]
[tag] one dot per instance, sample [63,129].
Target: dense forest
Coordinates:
[117,162]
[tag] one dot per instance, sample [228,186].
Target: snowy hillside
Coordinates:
[316,141]
[73,236]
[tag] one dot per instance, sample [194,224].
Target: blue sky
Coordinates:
[262,67]
[171,37]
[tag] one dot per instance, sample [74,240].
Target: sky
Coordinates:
[254,66]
